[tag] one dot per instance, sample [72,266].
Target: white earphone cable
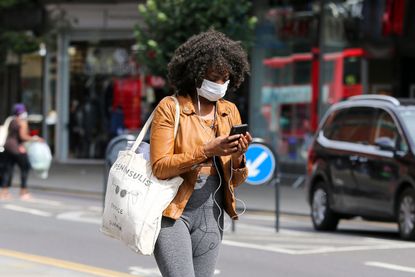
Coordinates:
[233,195]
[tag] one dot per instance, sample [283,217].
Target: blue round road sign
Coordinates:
[261,163]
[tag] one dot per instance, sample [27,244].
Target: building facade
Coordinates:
[84,87]
[311,54]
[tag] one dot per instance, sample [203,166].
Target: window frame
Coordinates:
[397,123]
[347,110]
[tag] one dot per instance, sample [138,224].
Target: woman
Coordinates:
[15,152]
[211,162]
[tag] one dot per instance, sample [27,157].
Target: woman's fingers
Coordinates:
[231,143]
[244,141]
[248,137]
[235,143]
[234,137]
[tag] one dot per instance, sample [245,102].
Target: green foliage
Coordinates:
[19,42]
[8,3]
[169,23]
[15,3]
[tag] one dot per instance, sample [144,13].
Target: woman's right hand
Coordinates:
[222,146]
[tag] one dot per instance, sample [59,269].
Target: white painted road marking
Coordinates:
[391,266]
[151,272]
[78,216]
[146,272]
[26,210]
[281,248]
[287,242]
[258,247]
[95,209]
[44,201]
[253,170]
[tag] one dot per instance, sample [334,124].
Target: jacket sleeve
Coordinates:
[239,175]
[165,163]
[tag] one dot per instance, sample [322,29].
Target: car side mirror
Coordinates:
[385,143]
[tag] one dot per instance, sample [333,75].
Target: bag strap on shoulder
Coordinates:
[8,121]
[148,123]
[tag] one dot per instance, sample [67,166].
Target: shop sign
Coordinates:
[286,95]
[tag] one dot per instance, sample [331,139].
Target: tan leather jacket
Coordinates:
[172,157]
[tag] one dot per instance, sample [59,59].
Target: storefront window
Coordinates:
[286,88]
[295,131]
[31,82]
[342,52]
[315,61]
[105,96]
[352,71]
[31,89]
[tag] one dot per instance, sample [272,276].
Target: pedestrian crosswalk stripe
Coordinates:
[391,266]
[26,210]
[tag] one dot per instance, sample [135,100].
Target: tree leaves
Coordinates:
[169,23]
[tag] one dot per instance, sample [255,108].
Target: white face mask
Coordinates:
[23,115]
[212,91]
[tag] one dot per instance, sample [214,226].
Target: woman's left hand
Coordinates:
[244,142]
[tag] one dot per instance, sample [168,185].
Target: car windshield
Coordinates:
[408,116]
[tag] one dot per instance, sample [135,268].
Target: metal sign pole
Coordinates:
[277,203]
[277,196]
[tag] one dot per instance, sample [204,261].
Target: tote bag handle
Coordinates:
[150,119]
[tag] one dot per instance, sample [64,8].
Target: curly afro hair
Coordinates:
[210,50]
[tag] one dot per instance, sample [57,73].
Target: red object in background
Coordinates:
[280,62]
[315,88]
[127,94]
[338,90]
[34,132]
[393,17]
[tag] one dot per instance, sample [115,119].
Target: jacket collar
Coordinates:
[189,108]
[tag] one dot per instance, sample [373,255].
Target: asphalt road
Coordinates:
[58,235]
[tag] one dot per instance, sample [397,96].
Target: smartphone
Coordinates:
[239,129]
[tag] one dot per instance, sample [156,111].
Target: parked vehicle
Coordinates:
[362,163]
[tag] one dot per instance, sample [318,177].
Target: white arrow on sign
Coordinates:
[253,170]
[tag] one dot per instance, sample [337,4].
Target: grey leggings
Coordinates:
[189,246]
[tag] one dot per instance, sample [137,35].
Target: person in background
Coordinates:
[15,152]
[210,160]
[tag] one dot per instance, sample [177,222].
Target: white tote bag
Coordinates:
[4,131]
[135,198]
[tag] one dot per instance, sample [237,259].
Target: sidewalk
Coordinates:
[88,179]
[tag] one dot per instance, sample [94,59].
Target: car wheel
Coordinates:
[406,214]
[324,219]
